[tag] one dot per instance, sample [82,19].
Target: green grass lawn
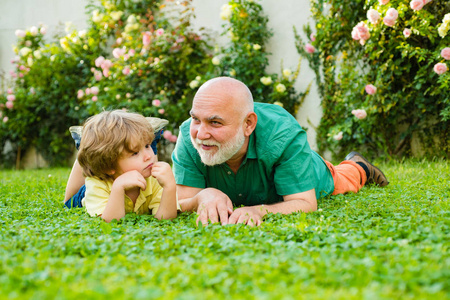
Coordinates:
[382,243]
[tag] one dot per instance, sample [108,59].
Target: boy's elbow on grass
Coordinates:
[166,216]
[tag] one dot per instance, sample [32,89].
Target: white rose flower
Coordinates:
[193,84]
[131,19]
[287,72]
[280,88]
[30,61]
[116,15]
[24,51]
[96,16]
[198,78]
[216,61]
[256,47]
[82,33]
[37,54]
[233,72]
[226,11]
[34,31]
[266,80]
[446,18]
[278,103]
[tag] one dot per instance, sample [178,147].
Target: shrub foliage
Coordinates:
[137,55]
[381,58]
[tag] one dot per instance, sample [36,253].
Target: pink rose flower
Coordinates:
[119,41]
[359,113]
[33,30]
[126,70]
[445,53]
[128,95]
[5,119]
[94,90]
[312,37]
[80,94]
[132,52]
[417,4]
[10,97]
[167,134]
[106,64]
[383,2]
[370,89]
[173,138]
[146,38]
[440,68]
[361,32]
[388,21]
[161,111]
[373,16]
[87,91]
[310,48]
[407,32]
[106,72]
[98,75]
[160,32]
[99,61]
[118,52]
[9,91]
[20,33]
[94,99]
[391,17]
[338,136]
[156,102]
[9,104]
[20,75]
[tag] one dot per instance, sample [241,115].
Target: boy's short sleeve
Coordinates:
[96,197]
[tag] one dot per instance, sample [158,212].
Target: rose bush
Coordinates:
[397,74]
[137,55]
[245,57]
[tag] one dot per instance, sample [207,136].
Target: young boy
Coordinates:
[121,169]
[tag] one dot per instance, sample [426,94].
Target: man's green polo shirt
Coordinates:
[279,162]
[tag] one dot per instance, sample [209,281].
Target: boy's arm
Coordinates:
[75,181]
[115,208]
[168,205]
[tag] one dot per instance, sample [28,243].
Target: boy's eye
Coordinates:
[134,153]
[148,146]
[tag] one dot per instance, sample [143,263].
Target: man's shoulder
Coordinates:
[275,122]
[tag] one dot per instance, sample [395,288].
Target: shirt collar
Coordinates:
[251,150]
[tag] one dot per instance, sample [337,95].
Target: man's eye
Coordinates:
[216,123]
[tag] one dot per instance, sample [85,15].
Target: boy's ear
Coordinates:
[111,172]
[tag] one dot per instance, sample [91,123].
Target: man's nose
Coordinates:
[203,132]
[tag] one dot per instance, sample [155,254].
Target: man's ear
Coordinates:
[111,172]
[250,123]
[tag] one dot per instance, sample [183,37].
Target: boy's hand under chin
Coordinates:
[130,180]
[163,173]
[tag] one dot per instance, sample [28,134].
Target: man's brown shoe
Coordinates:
[375,174]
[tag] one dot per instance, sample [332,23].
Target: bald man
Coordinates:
[233,152]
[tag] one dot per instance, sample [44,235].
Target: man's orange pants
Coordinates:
[348,176]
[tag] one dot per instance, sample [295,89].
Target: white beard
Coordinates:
[224,151]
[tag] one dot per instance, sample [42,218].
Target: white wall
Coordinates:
[283,15]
